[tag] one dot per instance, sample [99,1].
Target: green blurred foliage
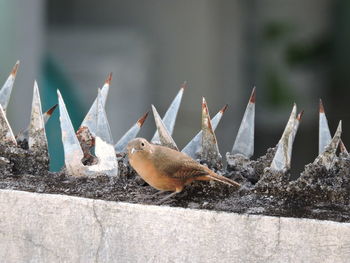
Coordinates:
[278,91]
[276,30]
[302,53]
[280,36]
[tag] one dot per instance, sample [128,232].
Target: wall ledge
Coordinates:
[57,228]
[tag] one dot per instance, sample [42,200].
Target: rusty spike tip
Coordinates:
[253,96]
[51,110]
[224,108]
[142,119]
[321,108]
[204,103]
[15,68]
[184,85]
[109,79]
[300,115]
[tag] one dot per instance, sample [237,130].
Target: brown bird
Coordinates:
[166,169]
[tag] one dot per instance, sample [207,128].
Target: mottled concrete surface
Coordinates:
[57,228]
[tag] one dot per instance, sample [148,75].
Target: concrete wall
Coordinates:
[55,228]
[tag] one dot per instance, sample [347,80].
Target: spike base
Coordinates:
[272,195]
[251,170]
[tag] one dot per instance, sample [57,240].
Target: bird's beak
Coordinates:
[132,150]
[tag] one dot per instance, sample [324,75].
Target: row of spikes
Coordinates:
[97,126]
[34,134]
[95,121]
[203,146]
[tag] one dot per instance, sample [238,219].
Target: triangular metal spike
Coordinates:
[164,135]
[325,136]
[120,146]
[210,149]
[6,134]
[169,118]
[282,159]
[24,134]
[5,92]
[37,135]
[73,153]
[103,129]
[292,117]
[91,117]
[327,157]
[104,149]
[342,148]
[194,147]
[244,143]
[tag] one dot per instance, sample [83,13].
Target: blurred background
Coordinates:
[291,50]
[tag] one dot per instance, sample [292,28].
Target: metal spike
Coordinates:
[103,129]
[72,150]
[37,135]
[297,122]
[164,135]
[104,149]
[282,159]
[194,147]
[244,143]
[327,157]
[6,134]
[5,92]
[73,154]
[342,148]
[169,118]
[324,133]
[210,149]
[24,134]
[47,115]
[91,117]
[120,146]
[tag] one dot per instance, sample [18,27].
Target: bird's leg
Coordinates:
[166,198]
[157,193]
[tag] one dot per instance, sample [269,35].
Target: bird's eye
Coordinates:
[142,144]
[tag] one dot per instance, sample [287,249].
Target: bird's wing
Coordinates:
[185,169]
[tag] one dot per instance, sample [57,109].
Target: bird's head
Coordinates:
[139,146]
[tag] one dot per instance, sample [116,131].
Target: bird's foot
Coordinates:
[161,201]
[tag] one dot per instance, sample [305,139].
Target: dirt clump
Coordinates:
[24,160]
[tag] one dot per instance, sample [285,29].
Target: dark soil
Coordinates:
[317,193]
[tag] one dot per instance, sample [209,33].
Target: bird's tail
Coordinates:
[222,179]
